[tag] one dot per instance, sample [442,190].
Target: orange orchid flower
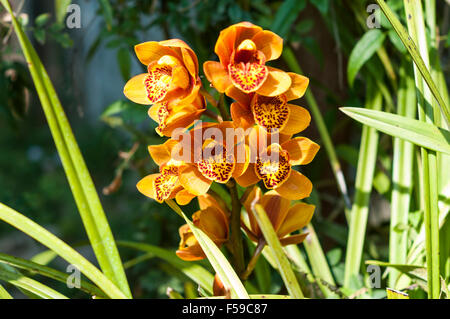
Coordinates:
[213,220]
[273,164]
[165,184]
[214,161]
[243,50]
[171,83]
[285,218]
[274,112]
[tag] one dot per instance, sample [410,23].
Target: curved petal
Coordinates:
[276,207]
[301,150]
[243,98]
[297,186]
[147,185]
[135,90]
[297,217]
[249,177]
[212,221]
[299,119]
[298,87]
[269,43]
[188,55]
[193,181]
[217,75]
[241,116]
[225,45]
[182,119]
[277,83]
[148,52]
[241,163]
[207,200]
[293,240]
[183,197]
[161,154]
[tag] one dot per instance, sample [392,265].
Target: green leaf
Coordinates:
[80,181]
[66,252]
[35,268]
[415,54]
[363,51]
[218,261]
[414,131]
[195,272]
[61,9]
[286,272]
[42,20]
[286,16]
[17,279]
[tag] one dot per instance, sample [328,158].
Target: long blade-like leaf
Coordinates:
[414,131]
[195,272]
[36,288]
[47,272]
[46,238]
[218,261]
[286,272]
[80,181]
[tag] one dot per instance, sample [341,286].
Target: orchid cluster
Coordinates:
[249,143]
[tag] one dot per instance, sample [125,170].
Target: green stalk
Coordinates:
[318,262]
[402,179]
[291,61]
[363,186]
[82,186]
[416,27]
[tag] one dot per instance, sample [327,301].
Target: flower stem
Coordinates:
[252,263]
[235,228]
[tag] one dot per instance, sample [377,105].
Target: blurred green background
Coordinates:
[89,67]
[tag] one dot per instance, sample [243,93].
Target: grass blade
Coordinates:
[49,240]
[318,262]
[35,268]
[415,55]
[283,264]
[427,113]
[36,288]
[420,133]
[363,186]
[218,261]
[80,181]
[195,272]
[402,180]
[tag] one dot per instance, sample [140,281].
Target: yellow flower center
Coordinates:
[166,182]
[273,167]
[270,112]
